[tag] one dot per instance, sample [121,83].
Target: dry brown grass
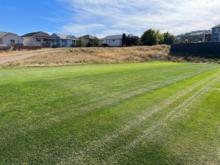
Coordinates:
[69,56]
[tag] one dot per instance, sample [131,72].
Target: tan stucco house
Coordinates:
[40,39]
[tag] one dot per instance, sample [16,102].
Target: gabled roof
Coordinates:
[38,34]
[113,37]
[64,36]
[88,37]
[2,34]
[72,37]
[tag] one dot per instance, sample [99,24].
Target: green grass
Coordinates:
[151,113]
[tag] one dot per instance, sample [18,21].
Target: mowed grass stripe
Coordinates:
[97,106]
[59,132]
[180,110]
[99,145]
[188,137]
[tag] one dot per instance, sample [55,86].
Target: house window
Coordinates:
[12,42]
[0,41]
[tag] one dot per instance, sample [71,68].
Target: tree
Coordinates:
[168,38]
[95,42]
[150,37]
[132,40]
[160,37]
[124,40]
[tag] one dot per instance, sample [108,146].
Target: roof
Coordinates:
[113,37]
[195,33]
[2,34]
[38,34]
[72,37]
[88,37]
[200,32]
[217,26]
[64,36]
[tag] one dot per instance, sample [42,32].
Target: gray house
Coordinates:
[62,40]
[194,37]
[216,33]
[113,41]
[9,39]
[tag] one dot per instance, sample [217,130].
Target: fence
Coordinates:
[207,49]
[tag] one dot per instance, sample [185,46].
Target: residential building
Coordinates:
[112,41]
[10,39]
[40,39]
[88,41]
[216,33]
[62,40]
[194,37]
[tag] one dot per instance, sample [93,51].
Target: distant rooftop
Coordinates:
[195,33]
[64,36]
[217,26]
[38,34]
[2,34]
[88,37]
[113,37]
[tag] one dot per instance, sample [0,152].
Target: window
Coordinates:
[12,42]
[0,41]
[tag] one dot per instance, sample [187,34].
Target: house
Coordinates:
[194,37]
[216,33]
[10,39]
[112,41]
[62,40]
[88,40]
[36,39]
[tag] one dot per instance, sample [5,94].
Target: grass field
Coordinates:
[149,113]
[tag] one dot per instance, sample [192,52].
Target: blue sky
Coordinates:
[22,16]
[104,17]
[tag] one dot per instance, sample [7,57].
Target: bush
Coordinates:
[151,37]
[154,37]
[168,38]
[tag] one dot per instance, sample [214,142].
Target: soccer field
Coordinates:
[149,113]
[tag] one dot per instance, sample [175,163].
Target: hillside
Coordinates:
[70,56]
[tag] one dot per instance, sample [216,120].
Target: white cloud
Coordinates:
[103,17]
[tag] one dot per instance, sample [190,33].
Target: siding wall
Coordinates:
[11,39]
[113,42]
[29,41]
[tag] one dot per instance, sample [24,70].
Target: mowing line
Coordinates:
[97,106]
[164,122]
[101,102]
[82,155]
